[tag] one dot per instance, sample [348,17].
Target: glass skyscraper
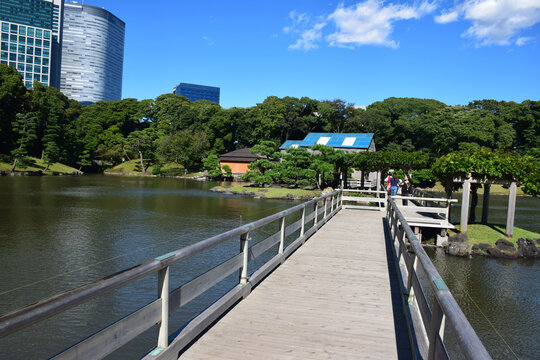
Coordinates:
[197,92]
[31,31]
[92,54]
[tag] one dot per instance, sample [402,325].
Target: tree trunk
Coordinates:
[14,163]
[142,163]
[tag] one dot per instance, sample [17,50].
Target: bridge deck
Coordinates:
[334,298]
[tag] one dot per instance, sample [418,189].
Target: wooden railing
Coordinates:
[122,331]
[428,323]
[368,199]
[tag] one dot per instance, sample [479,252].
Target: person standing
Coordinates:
[405,190]
[394,184]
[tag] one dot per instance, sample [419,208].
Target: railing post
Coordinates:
[411,269]
[332,204]
[325,206]
[244,249]
[316,214]
[435,324]
[163,292]
[302,229]
[282,235]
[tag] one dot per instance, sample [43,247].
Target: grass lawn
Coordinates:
[36,164]
[133,167]
[270,192]
[490,233]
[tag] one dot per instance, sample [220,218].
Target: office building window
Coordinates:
[5,27]
[13,38]
[39,33]
[45,70]
[30,41]
[13,28]
[5,37]
[30,50]
[22,30]
[37,77]
[38,42]
[46,34]
[13,48]
[4,55]
[20,67]
[22,40]
[37,69]
[29,68]
[20,58]
[4,46]
[30,32]
[12,57]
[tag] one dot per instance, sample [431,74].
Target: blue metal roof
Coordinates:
[289,143]
[348,141]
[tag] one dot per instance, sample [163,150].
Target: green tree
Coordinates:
[12,98]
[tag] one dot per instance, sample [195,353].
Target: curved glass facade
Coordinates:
[92,54]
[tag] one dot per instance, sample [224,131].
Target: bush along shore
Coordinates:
[488,240]
[268,192]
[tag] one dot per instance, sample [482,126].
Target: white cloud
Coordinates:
[447,17]
[298,20]
[308,39]
[496,21]
[366,23]
[371,22]
[523,40]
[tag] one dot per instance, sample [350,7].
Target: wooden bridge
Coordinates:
[343,285]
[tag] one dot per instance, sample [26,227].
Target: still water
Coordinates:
[57,233]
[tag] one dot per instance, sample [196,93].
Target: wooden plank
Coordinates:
[187,292]
[112,337]
[331,298]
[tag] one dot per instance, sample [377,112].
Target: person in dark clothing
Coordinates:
[405,190]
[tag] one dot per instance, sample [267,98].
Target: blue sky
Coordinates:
[361,52]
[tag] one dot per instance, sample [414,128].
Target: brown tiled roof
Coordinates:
[242,155]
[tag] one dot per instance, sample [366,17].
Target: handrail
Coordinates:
[158,311]
[429,323]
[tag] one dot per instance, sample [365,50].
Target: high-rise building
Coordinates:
[197,92]
[92,54]
[31,33]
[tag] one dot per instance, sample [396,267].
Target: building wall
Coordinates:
[236,167]
[198,92]
[92,54]
[31,32]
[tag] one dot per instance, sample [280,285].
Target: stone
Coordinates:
[481,248]
[458,249]
[496,253]
[459,238]
[527,248]
[505,245]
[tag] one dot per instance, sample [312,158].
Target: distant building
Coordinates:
[239,160]
[92,54]
[349,143]
[31,33]
[345,142]
[197,92]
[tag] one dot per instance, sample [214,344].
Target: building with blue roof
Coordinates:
[345,142]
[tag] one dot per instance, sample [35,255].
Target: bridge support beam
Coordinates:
[465,206]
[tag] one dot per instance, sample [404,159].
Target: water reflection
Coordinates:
[57,233]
